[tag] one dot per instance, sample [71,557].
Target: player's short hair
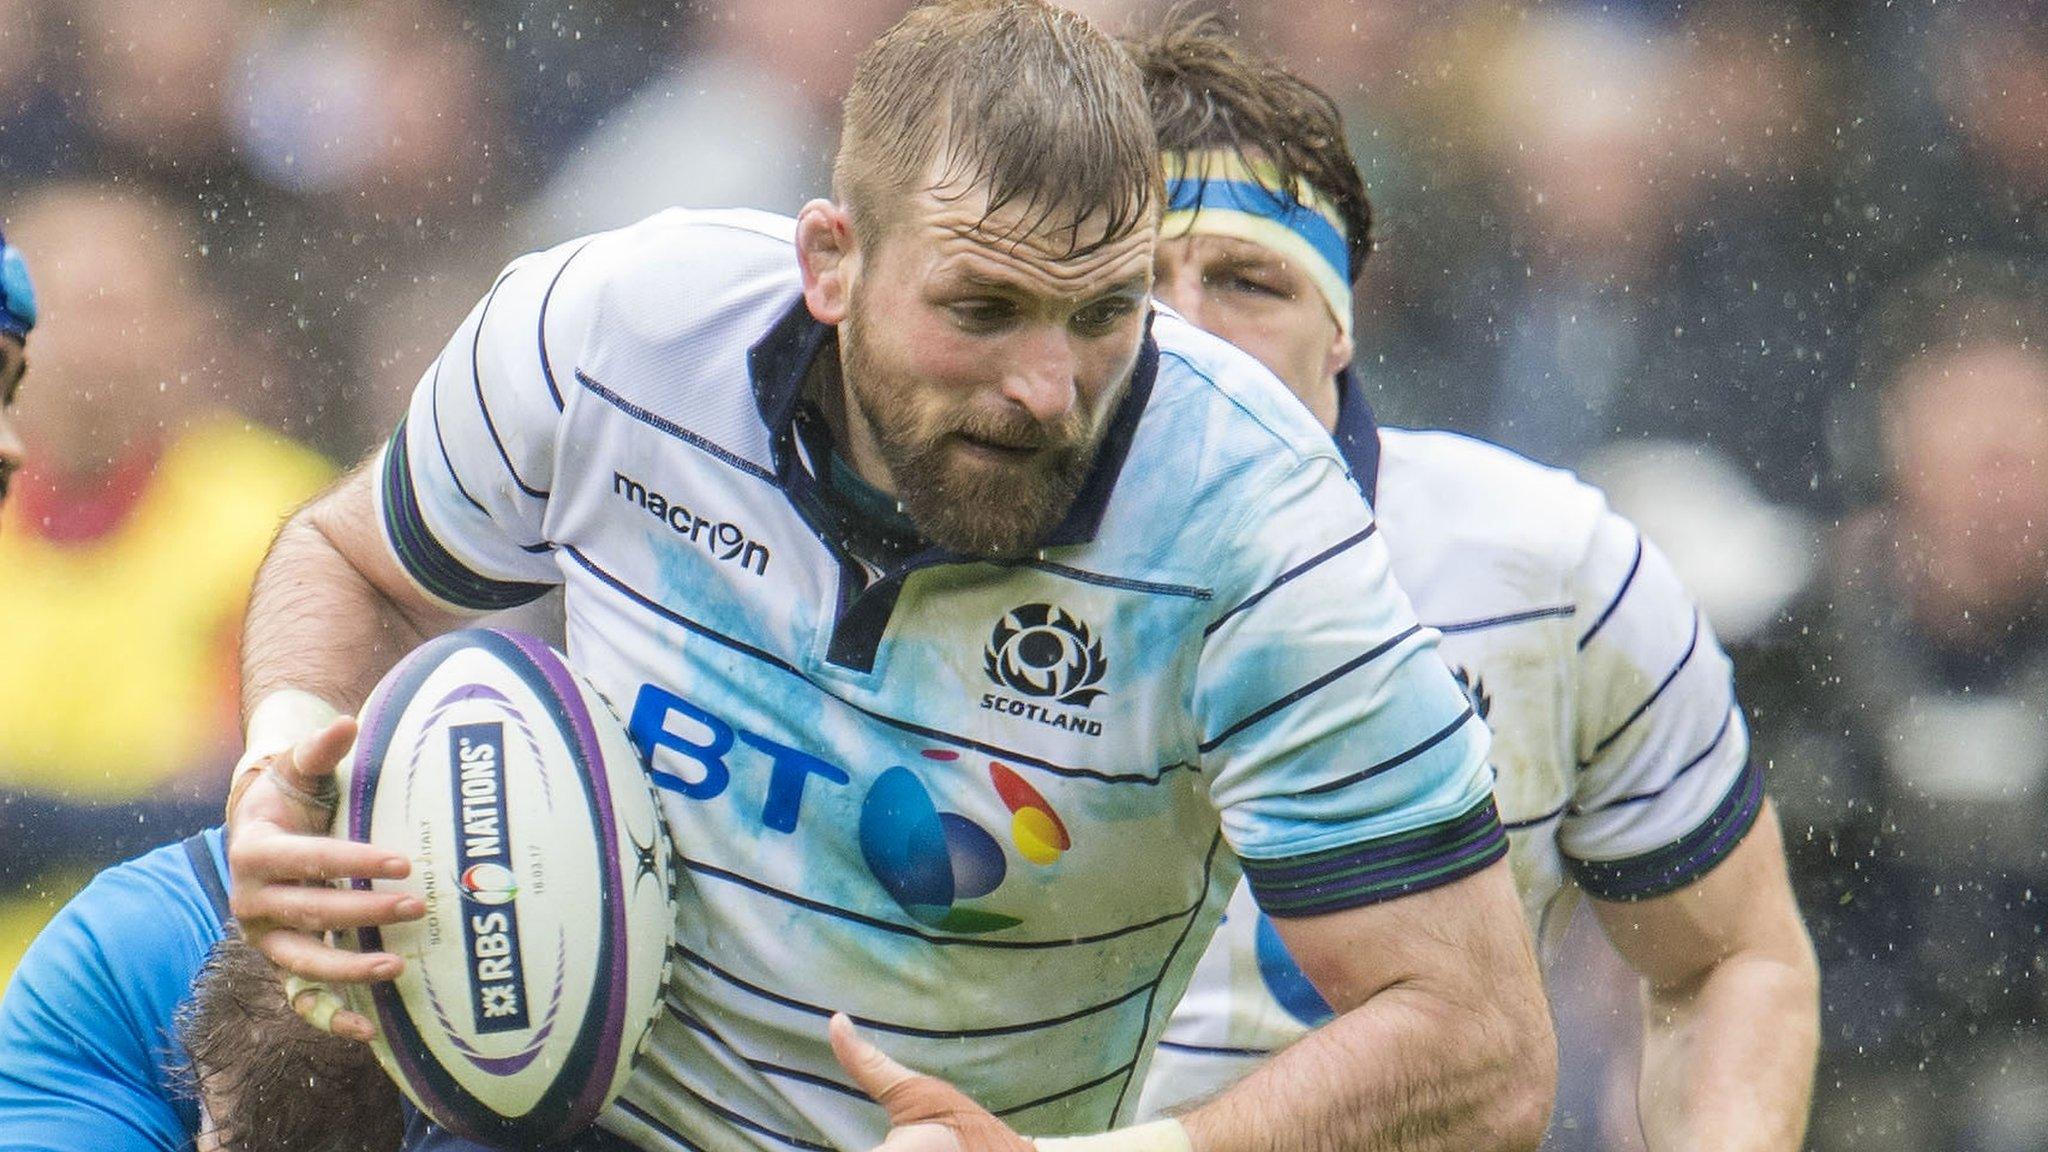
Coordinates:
[1208,90]
[1025,101]
[271,1081]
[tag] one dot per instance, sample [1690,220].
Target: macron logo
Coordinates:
[723,540]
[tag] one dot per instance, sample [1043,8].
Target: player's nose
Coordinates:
[1042,380]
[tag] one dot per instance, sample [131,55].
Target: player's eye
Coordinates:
[1250,283]
[1103,315]
[982,315]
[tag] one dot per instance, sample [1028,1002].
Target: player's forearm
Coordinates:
[1407,1070]
[315,622]
[1728,1062]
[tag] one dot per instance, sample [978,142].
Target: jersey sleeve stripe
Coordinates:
[1395,761]
[547,367]
[1533,821]
[1680,863]
[1727,723]
[878,1025]
[1358,875]
[1310,688]
[1214,1050]
[1691,647]
[1333,550]
[427,560]
[1627,582]
[476,380]
[1554,612]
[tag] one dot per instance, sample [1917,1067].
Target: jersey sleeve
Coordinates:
[463,486]
[1346,764]
[86,1042]
[1665,787]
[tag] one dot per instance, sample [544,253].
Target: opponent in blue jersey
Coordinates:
[17,316]
[980,625]
[133,1019]
[1624,772]
[86,1043]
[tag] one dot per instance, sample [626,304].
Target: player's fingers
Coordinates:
[330,909]
[306,955]
[262,856]
[314,758]
[320,1006]
[872,1069]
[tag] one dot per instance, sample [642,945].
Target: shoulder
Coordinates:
[1442,491]
[136,917]
[1220,428]
[96,992]
[682,294]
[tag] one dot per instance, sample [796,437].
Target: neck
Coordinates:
[1322,402]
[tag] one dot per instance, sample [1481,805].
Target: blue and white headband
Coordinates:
[1220,193]
[17,295]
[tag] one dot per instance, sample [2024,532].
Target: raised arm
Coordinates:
[331,609]
[1731,1003]
[444,522]
[1446,1043]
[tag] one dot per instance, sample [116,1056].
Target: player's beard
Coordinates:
[964,503]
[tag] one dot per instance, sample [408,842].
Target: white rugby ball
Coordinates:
[539,850]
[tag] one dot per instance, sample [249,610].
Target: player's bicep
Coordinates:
[1447,940]
[1744,905]
[349,519]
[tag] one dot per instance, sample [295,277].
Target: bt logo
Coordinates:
[930,860]
[927,860]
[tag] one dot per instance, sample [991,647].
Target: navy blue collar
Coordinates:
[1358,434]
[781,360]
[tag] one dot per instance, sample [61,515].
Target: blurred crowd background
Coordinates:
[1769,269]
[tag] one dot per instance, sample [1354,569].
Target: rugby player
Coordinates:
[980,626]
[1623,757]
[17,316]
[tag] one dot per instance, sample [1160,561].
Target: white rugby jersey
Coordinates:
[1622,759]
[991,810]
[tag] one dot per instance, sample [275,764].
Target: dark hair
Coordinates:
[271,1081]
[1023,100]
[1209,90]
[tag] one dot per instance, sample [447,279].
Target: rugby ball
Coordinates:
[540,853]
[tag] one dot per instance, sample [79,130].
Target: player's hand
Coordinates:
[282,861]
[926,1114]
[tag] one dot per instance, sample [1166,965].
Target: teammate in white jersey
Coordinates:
[1623,758]
[978,624]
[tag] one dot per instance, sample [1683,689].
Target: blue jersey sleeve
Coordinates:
[86,1043]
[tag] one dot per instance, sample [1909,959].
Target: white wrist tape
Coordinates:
[1158,1136]
[281,720]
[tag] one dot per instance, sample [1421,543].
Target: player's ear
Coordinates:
[825,253]
[1340,353]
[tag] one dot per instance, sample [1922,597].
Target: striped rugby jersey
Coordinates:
[1622,758]
[991,810]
